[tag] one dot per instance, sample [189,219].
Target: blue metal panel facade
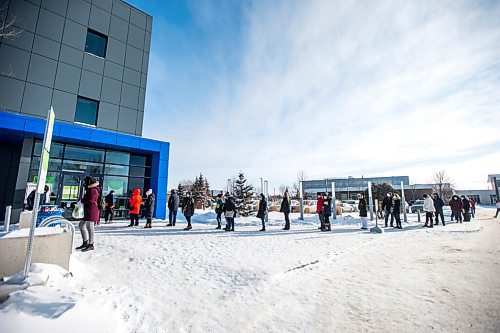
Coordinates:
[17,127]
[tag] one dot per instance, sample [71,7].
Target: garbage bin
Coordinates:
[47,211]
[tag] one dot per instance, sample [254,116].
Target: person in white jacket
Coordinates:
[429,210]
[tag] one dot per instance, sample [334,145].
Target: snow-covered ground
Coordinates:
[303,280]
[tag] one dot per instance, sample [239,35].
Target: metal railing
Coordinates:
[58,219]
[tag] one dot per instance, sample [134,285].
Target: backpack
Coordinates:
[101,203]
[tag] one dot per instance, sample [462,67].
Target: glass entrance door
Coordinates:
[70,190]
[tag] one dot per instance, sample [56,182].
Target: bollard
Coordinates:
[376,229]
[418,215]
[6,223]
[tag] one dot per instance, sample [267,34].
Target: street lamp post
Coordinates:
[266,187]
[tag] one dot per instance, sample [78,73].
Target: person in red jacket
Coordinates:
[134,207]
[472,207]
[91,213]
[319,210]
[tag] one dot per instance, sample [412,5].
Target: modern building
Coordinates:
[482,197]
[348,188]
[494,180]
[88,59]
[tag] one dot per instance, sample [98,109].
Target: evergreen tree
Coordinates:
[208,194]
[243,194]
[199,191]
[180,191]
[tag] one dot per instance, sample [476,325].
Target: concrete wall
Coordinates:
[47,248]
[46,63]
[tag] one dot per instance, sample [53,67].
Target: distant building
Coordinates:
[494,180]
[348,188]
[483,197]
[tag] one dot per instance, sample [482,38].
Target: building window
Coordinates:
[96,43]
[86,111]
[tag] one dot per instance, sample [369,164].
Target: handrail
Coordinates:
[51,219]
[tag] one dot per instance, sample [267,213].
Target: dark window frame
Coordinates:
[98,34]
[96,110]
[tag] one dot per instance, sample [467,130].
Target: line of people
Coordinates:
[462,209]
[93,204]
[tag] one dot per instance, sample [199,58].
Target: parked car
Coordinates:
[418,205]
[347,208]
[353,203]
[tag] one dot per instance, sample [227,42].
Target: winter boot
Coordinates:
[218,226]
[169,225]
[189,227]
[84,245]
[89,247]
[263,229]
[136,224]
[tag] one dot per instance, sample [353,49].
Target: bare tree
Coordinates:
[283,189]
[442,184]
[7,28]
[301,176]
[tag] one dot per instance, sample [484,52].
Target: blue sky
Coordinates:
[334,88]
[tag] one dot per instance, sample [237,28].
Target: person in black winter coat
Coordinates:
[188,209]
[327,212]
[150,207]
[387,208]
[261,213]
[229,213]
[438,205]
[173,206]
[285,209]
[363,211]
[396,210]
[465,208]
[30,201]
[219,208]
[109,209]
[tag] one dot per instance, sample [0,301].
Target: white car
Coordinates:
[347,208]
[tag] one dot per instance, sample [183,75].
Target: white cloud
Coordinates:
[338,88]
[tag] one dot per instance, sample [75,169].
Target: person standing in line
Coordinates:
[109,208]
[465,208]
[387,208]
[150,208]
[438,205]
[30,200]
[219,207]
[319,210]
[498,208]
[285,209]
[135,203]
[396,210]
[90,213]
[229,212]
[428,209]
[472,207]
[188,209]
[261,213]
[456,208]
[363,211]
[327,212]
[173,206]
